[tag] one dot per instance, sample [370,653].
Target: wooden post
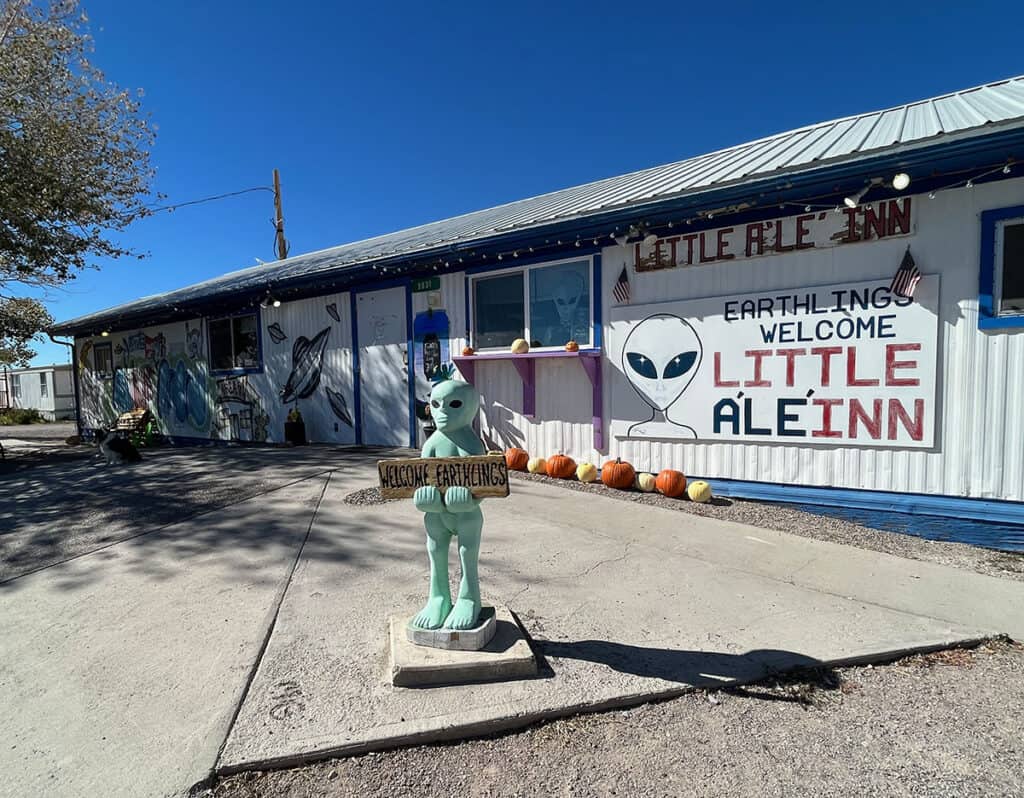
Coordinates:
[282,245]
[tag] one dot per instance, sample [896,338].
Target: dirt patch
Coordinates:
[949,723]
[367,496]
[1005,565]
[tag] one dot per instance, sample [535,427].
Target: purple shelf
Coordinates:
[526,365]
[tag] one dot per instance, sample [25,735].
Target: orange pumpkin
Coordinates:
[516,459]
[572,346]
[671,483]
[617,474]
[561,466]
[468,350]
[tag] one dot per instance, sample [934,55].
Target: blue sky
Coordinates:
[386,115]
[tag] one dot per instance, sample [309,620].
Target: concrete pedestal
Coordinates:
[505,656]
[456,639]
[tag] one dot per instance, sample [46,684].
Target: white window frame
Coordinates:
[44,386]
[997,271]
[16,386]
[525,270]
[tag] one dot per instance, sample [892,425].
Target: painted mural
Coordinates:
[306,367]
[162,369]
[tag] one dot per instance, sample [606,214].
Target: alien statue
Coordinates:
[453,406]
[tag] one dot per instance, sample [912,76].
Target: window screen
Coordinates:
[44,389]
[499,315]
[1011,293]
[234,343]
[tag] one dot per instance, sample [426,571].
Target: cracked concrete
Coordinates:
[623,605]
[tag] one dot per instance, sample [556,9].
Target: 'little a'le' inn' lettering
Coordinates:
[818,230]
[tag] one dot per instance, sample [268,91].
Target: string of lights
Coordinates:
[644,231]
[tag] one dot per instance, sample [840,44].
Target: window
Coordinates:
[1001,284]
[234,343]
[103,360]
[548,305]
[44,389]
[1009,267]
[16,386]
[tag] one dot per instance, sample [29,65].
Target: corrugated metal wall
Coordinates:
[980,448]
[328,412]
[980,410]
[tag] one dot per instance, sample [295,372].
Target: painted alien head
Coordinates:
[567,295]
[453,403]
[660,358]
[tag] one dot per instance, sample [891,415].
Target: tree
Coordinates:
[74,156]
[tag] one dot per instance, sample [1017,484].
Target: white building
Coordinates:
[759,346]
[48,389]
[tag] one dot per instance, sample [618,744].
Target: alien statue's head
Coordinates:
[453,403]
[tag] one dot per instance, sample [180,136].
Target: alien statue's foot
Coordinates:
[464,615]
[433,613]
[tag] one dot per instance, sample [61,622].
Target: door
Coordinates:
[383,367]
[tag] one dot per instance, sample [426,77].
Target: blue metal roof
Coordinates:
[958,116]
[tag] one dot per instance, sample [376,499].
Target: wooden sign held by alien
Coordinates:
[452,511]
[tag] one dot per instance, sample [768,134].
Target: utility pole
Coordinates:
[282,245]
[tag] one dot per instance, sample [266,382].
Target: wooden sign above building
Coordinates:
[812,230]
[485,476]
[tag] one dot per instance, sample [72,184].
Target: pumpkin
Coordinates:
[561,466]
[537,465]
[572,346]
[645,482]
[699,491]
[516,459]
[617,474]
[671,483]
[586,472]
[468,350]
[520,347]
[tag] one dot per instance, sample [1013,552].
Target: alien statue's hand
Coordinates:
[459,500]
[428,499]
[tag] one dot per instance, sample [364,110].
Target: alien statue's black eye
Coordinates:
[642,365]
[455,403]
[434,403]
[679,365]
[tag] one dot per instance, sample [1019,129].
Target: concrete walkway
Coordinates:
[122,669]
[624,602]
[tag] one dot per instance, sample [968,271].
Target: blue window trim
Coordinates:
[593,254]
[259,344]
[988,319]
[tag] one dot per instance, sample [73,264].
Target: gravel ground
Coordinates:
[820,527]
[944,724]
[53,431]
[366,497]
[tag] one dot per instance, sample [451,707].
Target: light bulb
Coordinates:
[277,303]
[900,181]
[807,208]
[1006,169]
[105,333]
[931,195]
[970,184]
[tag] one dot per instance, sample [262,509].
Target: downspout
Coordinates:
[74,380]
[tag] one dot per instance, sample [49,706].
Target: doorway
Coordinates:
[383,339]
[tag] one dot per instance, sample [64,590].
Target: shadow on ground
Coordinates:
[695,668]
[62,507]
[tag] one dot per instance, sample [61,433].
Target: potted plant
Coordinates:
[295,428]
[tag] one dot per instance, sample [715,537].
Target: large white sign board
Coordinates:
[836,365]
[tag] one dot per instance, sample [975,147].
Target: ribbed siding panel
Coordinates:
[979,452]
[306,318]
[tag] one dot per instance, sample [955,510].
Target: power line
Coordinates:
[158,208]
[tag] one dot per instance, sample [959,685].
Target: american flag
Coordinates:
[906,278]
[621,289]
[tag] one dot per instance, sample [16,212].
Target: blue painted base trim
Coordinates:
[988,510]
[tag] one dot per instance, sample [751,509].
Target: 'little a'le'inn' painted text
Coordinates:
[871,222]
